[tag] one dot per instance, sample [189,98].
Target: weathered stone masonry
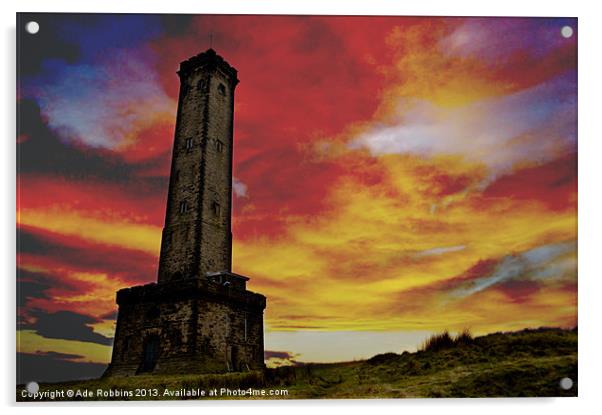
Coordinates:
[199,317]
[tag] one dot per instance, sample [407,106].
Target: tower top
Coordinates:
[207,60]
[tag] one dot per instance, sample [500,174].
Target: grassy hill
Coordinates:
[524,363]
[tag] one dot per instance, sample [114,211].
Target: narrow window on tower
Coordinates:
[183,207]
[219,146]
[188,144]
[246,326]
[217,210]
[221,89]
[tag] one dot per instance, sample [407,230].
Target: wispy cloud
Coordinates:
[240,189]
[536,124]
[105,103]
[535,264]
[493,39]
[440,250]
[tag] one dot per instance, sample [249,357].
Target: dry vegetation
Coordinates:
[524,363]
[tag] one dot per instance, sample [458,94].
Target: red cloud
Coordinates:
[519,291]
[302,78]
[152,143]
[135,200]
[52,250]
[553,184]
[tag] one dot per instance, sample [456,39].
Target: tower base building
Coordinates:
[197,325]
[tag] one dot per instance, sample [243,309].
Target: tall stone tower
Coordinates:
[199,317]
[197,234]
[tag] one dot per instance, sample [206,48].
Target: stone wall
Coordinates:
[232,334]
[200,327]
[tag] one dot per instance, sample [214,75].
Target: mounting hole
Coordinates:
[32,27]
[566,383]
[32,387]
[566,32]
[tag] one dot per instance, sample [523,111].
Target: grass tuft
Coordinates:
[437,342]
[443,341]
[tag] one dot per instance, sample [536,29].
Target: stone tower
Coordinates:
[199,317]
[197,234]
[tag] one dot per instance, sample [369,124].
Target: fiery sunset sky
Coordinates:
[393,176]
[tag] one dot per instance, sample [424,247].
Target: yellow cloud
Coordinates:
[30,342]
[348,270]
[112,231]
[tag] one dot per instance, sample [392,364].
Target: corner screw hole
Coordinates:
[566,32]
[566,383]
[32,387]
[32,27]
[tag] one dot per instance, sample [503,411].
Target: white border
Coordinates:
[590,206]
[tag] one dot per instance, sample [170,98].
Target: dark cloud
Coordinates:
[316,33]
[135,266]
[41,151]
[57,355]
[111,315]
[34,285]
[66,325]
[281,358]
[31,285]
[269,354]
[30,243]
[34,49]
[176,24]
[54,367]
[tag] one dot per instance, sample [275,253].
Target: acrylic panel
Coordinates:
[295,207]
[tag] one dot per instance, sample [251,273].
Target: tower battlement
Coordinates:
[207,60]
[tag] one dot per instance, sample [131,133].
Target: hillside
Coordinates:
[524,363]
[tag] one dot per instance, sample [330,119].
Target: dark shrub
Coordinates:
[438,342]
[281,376]
[383,358]
[464,338]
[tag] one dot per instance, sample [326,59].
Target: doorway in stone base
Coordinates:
[150,354]
[232,359]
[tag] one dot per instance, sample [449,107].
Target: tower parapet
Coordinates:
[208,60]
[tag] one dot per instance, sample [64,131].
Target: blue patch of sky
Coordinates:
[95,34]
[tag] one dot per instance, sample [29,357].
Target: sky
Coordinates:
[393,177]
